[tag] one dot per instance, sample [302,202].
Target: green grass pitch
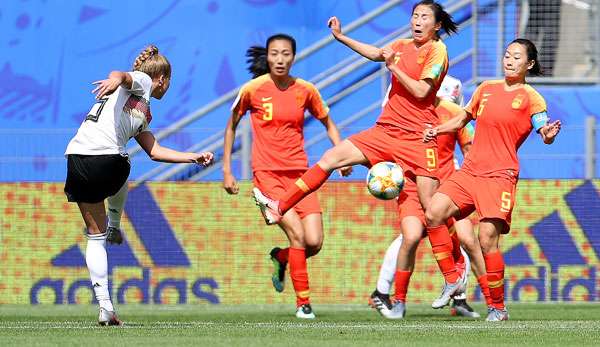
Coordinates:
[274,325]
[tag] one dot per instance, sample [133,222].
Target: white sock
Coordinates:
[467,261]
[97,263]
[388,267]
[116,203]
[463,296]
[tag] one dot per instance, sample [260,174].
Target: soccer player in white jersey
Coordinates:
[450,90]
[97,162]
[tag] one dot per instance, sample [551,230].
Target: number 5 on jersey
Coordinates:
[482,104]
[268,107]
[506,202]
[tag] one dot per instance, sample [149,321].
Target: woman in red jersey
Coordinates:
[506,111]
[277,102]
[418,66]
[400,257]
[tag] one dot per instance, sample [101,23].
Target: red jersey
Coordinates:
[445,111]
[446,145]
[278,121]
[504,120]
[402,109]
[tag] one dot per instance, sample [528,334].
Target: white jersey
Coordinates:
[451,90]
[115,119]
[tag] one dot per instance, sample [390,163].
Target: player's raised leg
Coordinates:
[116,204]
[343,154]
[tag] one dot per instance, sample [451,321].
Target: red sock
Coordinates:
[456,253]
[441,244]
[494,265]
[299,275]
[282,255]
[310,181]
[485,289]
[401,281]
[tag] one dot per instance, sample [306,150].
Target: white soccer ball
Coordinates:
[385,180]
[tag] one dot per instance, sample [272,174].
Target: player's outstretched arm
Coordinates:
[370,52]
[109,85]
[549,131]
[163,154]
[451,126]
[229,183]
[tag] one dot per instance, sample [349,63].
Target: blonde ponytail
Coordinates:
[152,63]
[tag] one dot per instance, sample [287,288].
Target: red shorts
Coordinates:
[274,184]
[444,172]
[491,197]
[408,201]
[405,148]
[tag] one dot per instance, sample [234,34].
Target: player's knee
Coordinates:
[313,243]
[434,216]
[438,211]
[312,249]
[488,245]
[467,239]
[296,237]
[470,245]
[410,240]
[329,160]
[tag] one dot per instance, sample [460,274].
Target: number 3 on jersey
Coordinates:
[96,110]
[268,107]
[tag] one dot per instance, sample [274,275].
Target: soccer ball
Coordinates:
[385,180]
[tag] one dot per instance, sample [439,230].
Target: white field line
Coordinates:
[462,325]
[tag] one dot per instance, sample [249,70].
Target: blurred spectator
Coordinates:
[543,28]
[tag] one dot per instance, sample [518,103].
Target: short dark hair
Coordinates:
[532,54]
[257,55]
[441,16]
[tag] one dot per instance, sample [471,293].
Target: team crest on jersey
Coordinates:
[138,107]
[436,70]
[299,98]
[421,58]
[517,101]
